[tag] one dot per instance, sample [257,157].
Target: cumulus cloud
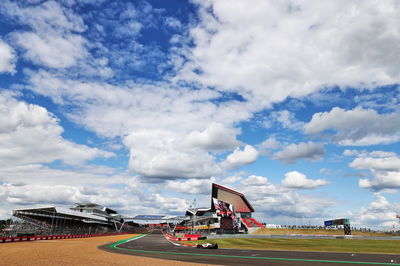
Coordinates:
[214,137]
[249,53]
[232,179]
[304,150]
[287,120]
[296,180]
[51,51]
[51,41]
[386,163]
[380,213]
[268,146]
[62,187]
[7,58]
[255,180]
[170,133]
[274,201]
[381,180]
[383,166]
[357,127]
[241,157]
[158,154]
[30,134]
[191,186]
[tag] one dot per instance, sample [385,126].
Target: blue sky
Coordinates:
[141,105]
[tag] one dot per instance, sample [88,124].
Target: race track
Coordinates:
[156,246]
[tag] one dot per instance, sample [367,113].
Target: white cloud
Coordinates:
[47,16]
[46,186]
[51,41]
[214,137]
[170,133]
[255,180]
[159,154]
[380,214]
[304,150]
[381,180]
[51,50]
[276,202]
[389,163]
[168,204]
[231,179]
[296,180]
[241,157]
[249,52]
[383,166]
[287,119]
[357,127]
[191,186]
[267,146]
[7,58]
[173,23]
[30,134]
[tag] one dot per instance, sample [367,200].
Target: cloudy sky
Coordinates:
[141,105]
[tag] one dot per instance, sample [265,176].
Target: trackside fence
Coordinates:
[52,237]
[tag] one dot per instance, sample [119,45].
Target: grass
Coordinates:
[285,231]
[325,245]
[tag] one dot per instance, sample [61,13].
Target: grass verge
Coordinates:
[323,245]
[286,231]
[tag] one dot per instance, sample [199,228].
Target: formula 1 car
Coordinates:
[207,246]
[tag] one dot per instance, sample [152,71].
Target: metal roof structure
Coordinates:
[232,197]
[156,217]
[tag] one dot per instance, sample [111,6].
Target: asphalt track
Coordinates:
[156,246]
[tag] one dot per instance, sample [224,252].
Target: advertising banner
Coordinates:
[224,209]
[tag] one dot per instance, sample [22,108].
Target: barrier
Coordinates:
[52,237]
[191,235]
[195,238]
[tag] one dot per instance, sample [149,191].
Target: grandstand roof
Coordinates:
[237,199]
[157,217]
[49,210]
[148,217]
[90,206]
[197,211]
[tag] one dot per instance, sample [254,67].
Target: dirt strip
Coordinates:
[80,251]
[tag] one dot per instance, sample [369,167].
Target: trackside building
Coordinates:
[230,212]
[82,218]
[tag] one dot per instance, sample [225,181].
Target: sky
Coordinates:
[141,105]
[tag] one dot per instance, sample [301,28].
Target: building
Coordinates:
[82,218]
[230,212]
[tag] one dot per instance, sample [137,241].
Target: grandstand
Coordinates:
[230,212]
[87,218]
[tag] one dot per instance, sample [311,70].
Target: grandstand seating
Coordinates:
[35,222]
[254,221]
[251,222]
[246,222]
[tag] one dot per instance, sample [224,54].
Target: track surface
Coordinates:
[156,246]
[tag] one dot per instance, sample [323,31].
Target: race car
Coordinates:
[207,246]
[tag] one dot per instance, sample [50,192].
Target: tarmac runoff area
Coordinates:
[157,246]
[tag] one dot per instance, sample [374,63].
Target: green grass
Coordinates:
[286,231]
[326,245]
